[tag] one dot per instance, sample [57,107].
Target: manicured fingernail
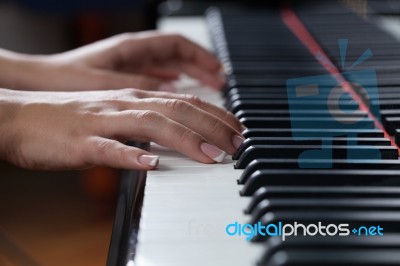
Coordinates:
[150,160]
[167,87]
[237,141]
[212,152]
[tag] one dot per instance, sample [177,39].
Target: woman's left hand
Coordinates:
[144,60]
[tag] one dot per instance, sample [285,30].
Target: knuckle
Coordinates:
[122,153]
[148,116]
[228,116]
[130,92]
[217,128]
[176,105]
[193,99]
[186,136]
[103,147]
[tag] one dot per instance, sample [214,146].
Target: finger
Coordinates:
[117,80]
[107,152]
[167,70]
[162,47]
[152,126]
[214,130]
[222,114]
[207,78]
[161,71]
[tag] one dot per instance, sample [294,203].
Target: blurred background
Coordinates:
[66,218]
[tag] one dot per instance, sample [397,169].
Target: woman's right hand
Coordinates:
[75,130]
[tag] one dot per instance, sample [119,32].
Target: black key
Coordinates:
[299,113]
[256,96]
[278,90]
[268,205]
[387,104]
[294,151]
[260,164]
[307,122]
[290,141]
[391,124]
[287,132]
[304,243]
[318,177]
[321,192]
[283,104]
[397,137]
[335,257]
[390,113]
[243,96]
[256,90]
[252,82]
[259,81]
[387,220]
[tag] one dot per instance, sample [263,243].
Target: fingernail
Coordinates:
[237,141]
[212,152]
[150,160]
[167,87]
[243,128]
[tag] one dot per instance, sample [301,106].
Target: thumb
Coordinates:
[112,153]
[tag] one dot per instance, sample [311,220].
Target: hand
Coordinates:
[136,60]
[73,130]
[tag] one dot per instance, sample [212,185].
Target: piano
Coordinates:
[322,146]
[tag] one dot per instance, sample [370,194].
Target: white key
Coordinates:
[187,205]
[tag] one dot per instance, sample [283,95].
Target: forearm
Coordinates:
[9,107]
[20,71]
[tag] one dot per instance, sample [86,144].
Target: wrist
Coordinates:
[9,107]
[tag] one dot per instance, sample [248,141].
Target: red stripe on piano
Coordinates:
[294,23]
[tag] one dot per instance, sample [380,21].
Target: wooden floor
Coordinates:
[47,218]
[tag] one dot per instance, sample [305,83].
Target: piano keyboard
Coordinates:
[187,205]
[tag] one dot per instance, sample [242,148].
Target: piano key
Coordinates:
[283,96]
[332,151]
[257,81]
[255,67]
[386,104]
[298,104]
[259,164]
[274,245]
[397,137]
[290,141]
[269,205]
[387,220]
[318,177]
[299,113]
[391,124]
[307,122]
[318,257]
[245,47]
[320,192]
[390,112]
[268,90]
[287,132]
